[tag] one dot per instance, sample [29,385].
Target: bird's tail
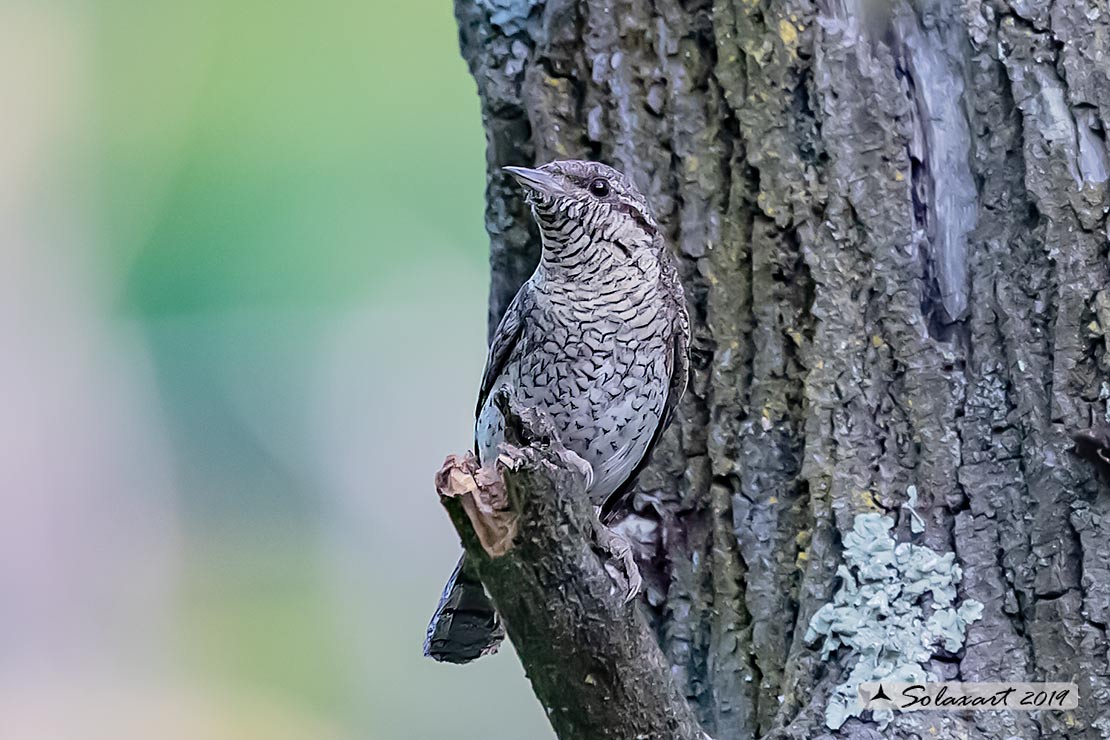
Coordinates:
[465,625]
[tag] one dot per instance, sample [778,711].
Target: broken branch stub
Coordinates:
[593,661]
[481,495]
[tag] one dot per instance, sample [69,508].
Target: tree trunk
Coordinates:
[891,219]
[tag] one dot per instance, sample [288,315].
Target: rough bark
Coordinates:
[892,223]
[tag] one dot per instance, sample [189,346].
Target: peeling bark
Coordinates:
[891,219]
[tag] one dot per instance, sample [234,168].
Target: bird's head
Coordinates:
[574,200]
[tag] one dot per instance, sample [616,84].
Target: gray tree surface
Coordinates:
[891,219]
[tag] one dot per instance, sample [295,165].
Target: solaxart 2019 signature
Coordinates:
[962,696]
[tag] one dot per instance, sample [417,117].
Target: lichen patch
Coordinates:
[895,607]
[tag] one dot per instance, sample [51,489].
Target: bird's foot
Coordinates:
[622,566]
[578,464]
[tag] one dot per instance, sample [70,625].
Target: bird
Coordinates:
[597,339]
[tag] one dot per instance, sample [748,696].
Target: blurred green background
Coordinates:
[242,305]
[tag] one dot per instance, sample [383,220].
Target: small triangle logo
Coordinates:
[880,694]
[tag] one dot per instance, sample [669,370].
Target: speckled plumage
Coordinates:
[597,338]
[598,335]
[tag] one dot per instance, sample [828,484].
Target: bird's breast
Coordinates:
[603,380]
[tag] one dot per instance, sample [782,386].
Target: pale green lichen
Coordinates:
[509,15]
[881,614]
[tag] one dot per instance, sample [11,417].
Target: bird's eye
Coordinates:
[599,187]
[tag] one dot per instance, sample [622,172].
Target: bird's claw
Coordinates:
[622,566]
[581,466]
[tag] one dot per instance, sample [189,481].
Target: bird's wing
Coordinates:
[678,366]
[503,342]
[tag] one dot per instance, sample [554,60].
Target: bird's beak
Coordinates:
[536,180]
